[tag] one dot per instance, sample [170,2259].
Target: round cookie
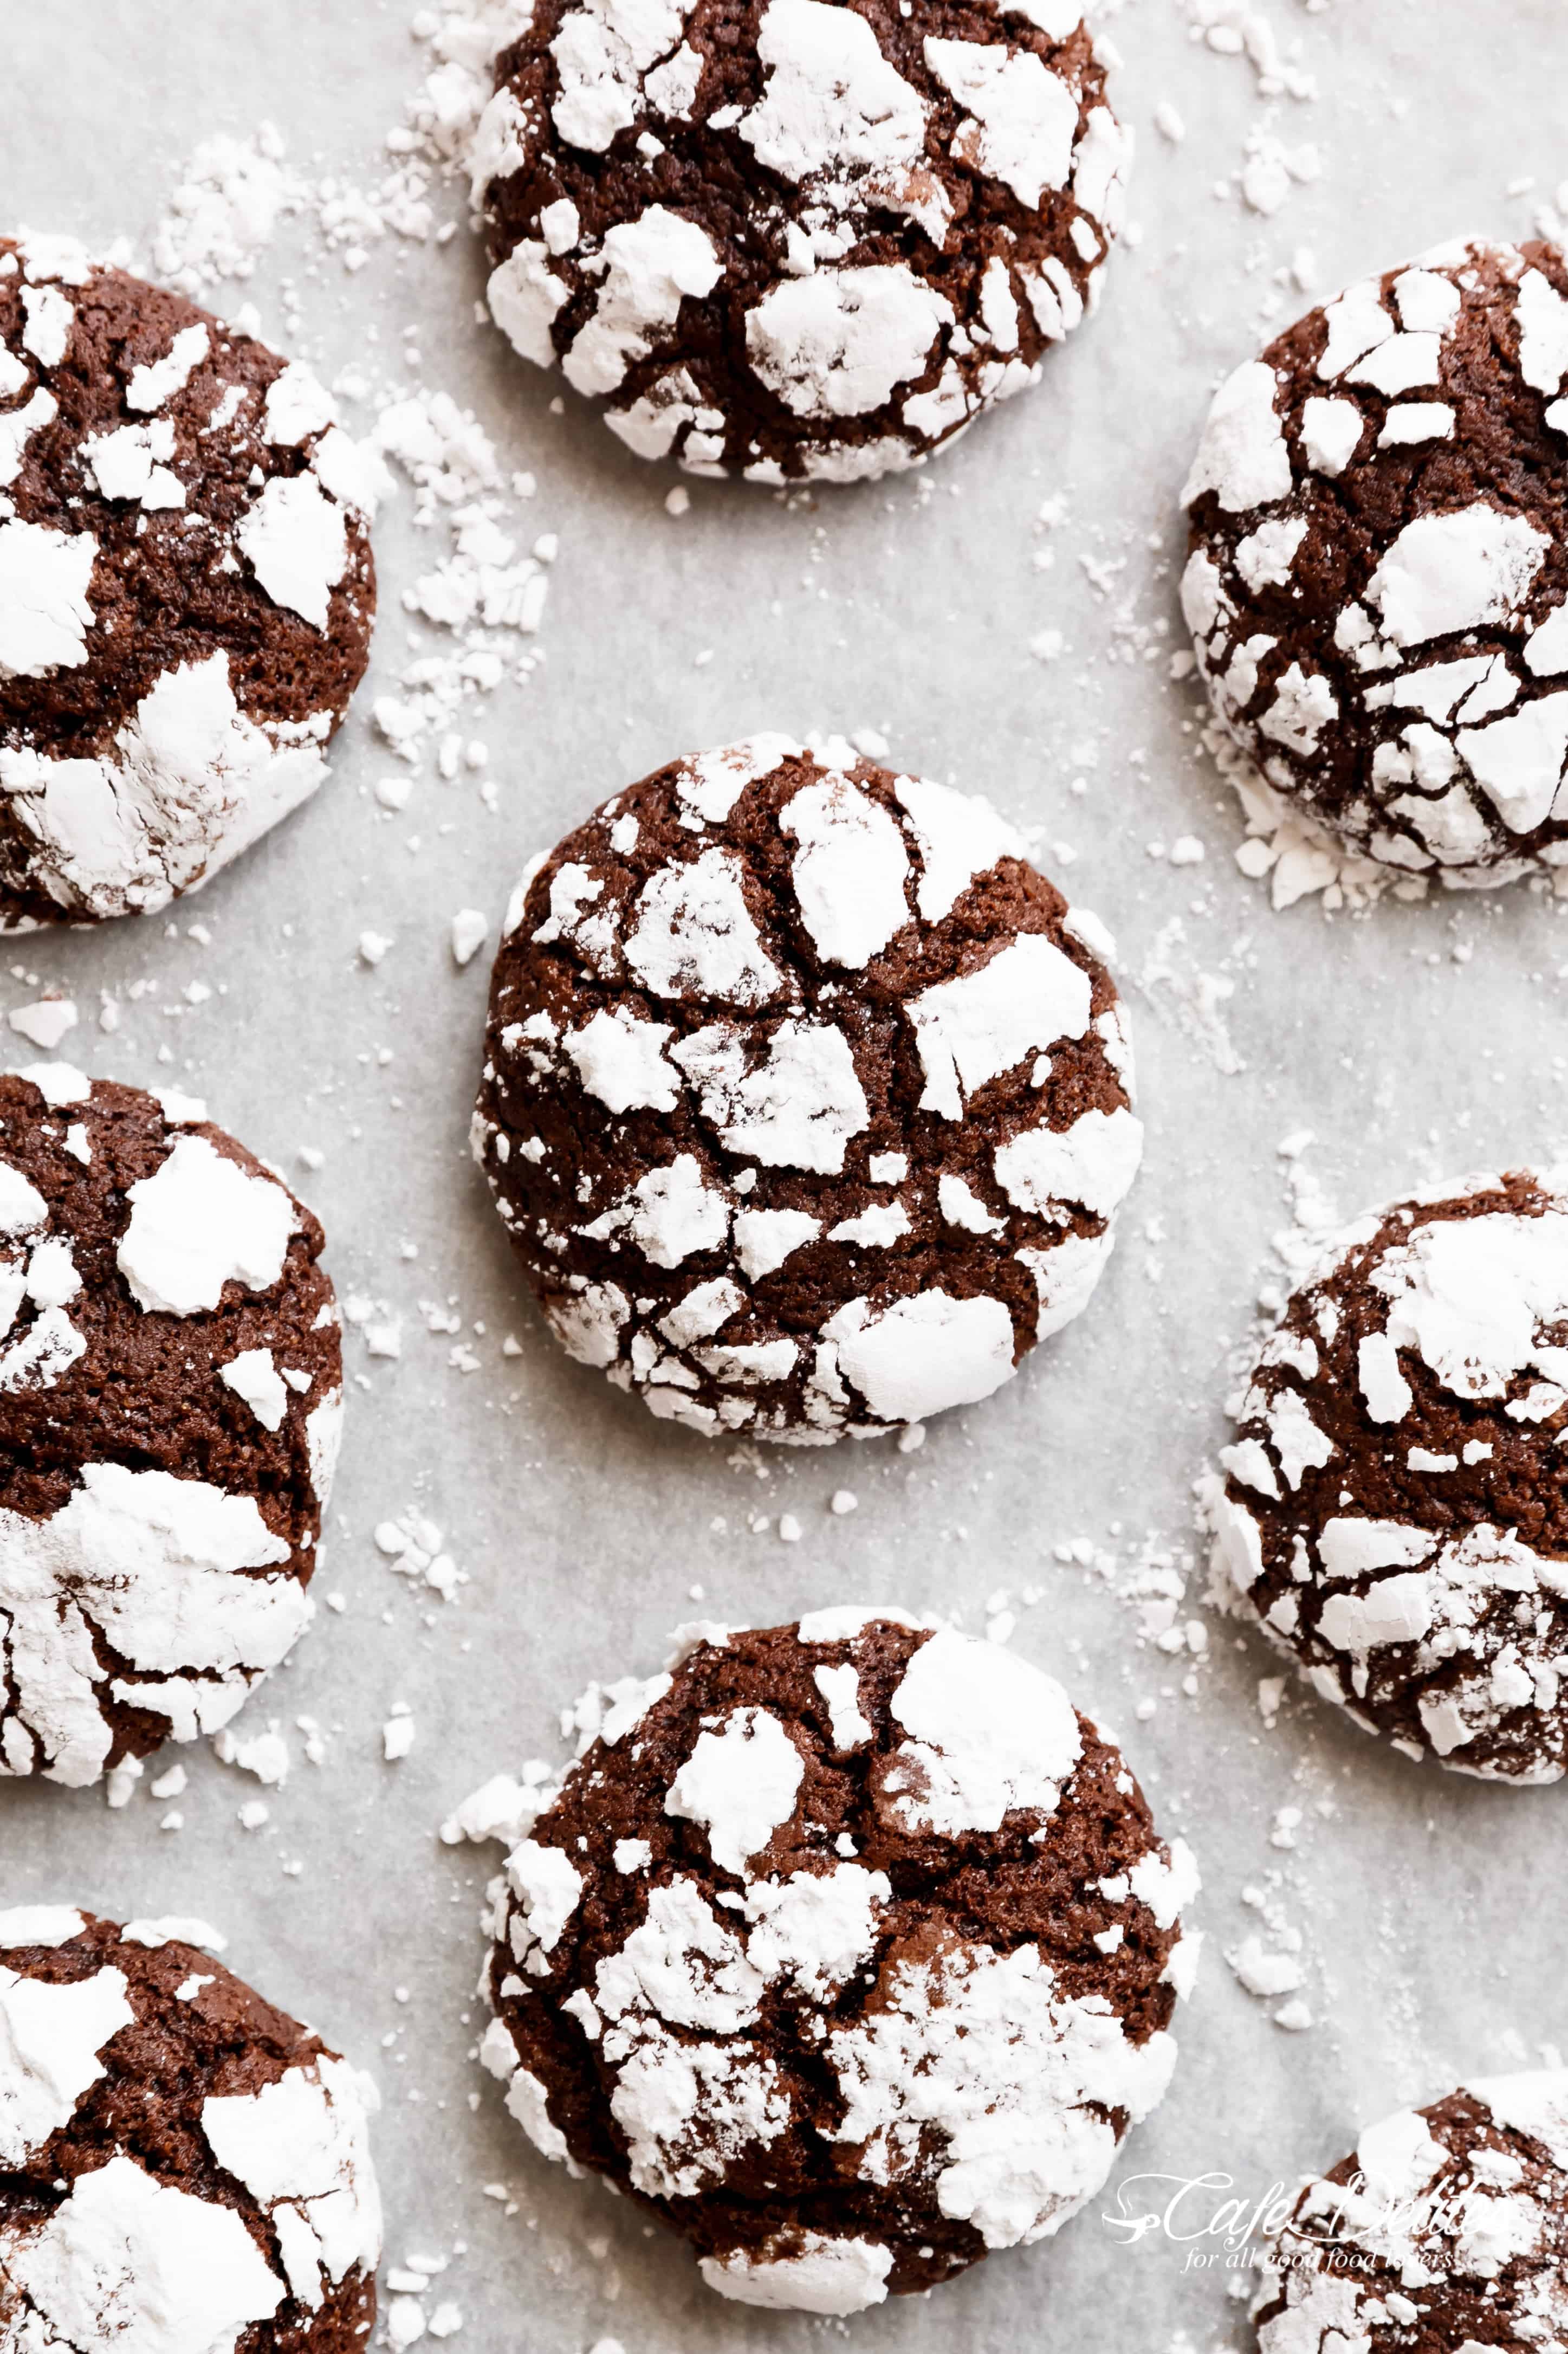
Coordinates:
[788,239]
[171,1395]
[185,587]
[1446,2231]
[807,1099]
[846,1947]
[182,2166]
[1396,1512]
[1380,562]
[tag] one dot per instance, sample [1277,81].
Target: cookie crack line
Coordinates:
[179,2157]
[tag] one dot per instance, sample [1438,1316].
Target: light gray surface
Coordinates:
[1431,1907]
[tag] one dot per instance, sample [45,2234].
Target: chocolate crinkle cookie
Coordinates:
[171,1395]
[807,1099]
[1380,564]
[185,587]
[1396,1512]
[1446,2233]
[184,2169]
[847,1947]
[783,239]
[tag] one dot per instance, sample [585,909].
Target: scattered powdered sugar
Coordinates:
[414,1547]
[1284,843]
[224,211]
[485,595]
[1270,1960]
[1269,167]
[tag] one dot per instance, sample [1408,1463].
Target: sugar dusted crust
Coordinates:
[185,587]
[796,240]
[847,1949]
[1450,2221]
[807,1099]
[171,1395]
[183,2165]
[1394,1510]
[1380,562]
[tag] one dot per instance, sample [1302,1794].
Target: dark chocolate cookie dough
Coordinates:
[184,2169]
[1396,1510]
[849,1948]
[1380,562]
[185,587]
[170,1401]
[1447,2233]
[784,238]
[807,1098]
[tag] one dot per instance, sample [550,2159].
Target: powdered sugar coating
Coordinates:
[848,2012]
[164,1484]
[809,2273]
[921,218]
[807,1097]
[50,2037]
[199,1222]
[1015,2079]
[302,2148]
[117,2062]
[1393,1510]
[127,2257]
[1452,2218]
[740,1781]
[149,732]
[986,1735]
[1379,565]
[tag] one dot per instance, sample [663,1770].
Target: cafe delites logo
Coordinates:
[1215,2227]
[1341,2227]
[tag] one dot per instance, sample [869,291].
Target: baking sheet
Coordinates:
[1425,1039]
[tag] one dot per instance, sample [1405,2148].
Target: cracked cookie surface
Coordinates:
[847,1947]
[807,1098]
[182,2166]
[1396,1512]
[185,587]
[171,1396]
[790,239]
[1447,2229]
[1378,583]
